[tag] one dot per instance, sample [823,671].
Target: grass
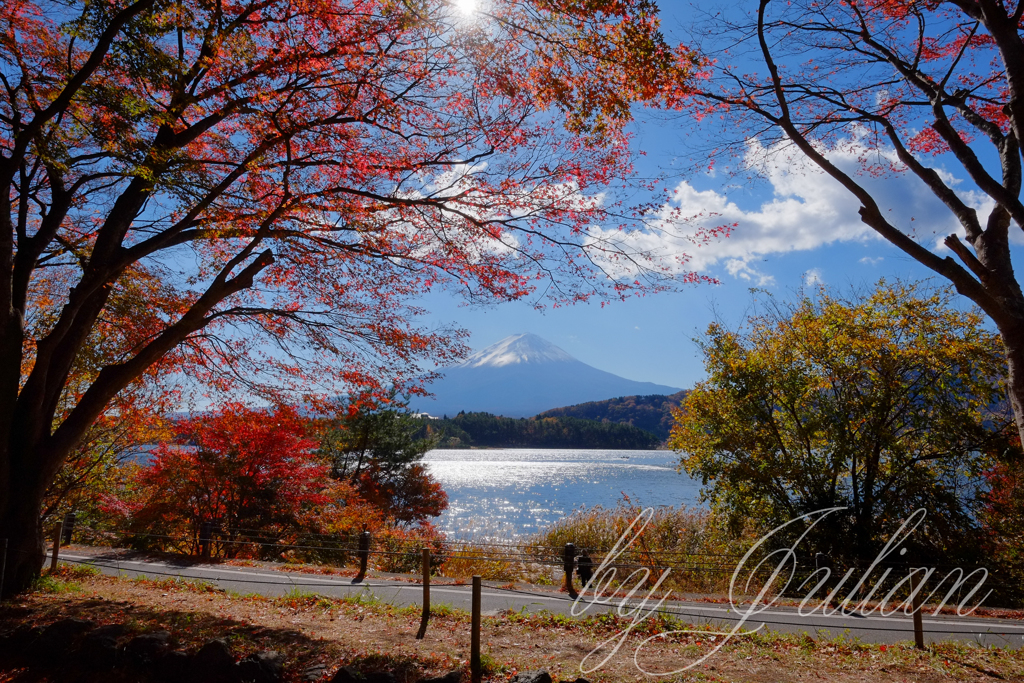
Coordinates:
[65,579]
[48,583]
[75,571]
[698,547]
[445,610]
[374,636]
[493,563]
[178,583]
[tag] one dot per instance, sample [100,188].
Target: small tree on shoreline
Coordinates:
[377,449]
[882,404]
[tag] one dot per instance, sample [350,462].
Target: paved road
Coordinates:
[873,628]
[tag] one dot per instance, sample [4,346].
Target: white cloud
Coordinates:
[871,260]
[741,268]
[813,277]
[807,210]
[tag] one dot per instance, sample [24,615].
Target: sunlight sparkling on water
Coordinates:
[512,492]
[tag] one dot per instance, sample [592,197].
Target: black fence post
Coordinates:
[205,537]
[823,561]
[364,556]
[585,568]
[69,527]
[568,559]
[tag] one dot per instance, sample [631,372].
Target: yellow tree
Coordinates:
[883,404]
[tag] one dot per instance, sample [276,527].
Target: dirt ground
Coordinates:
[310,629]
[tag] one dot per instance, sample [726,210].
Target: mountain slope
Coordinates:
[650,413]
[482,430]
[521,376]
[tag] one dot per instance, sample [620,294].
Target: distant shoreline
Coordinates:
[543,448]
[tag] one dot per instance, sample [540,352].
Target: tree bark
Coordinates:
[21,500]
[1013,344]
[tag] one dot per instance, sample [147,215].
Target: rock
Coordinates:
[19,641]
[175,667]
[213,662]
[262,667]
[347,674]
[98,648]
[66,629]
[540,676]
[380,677]
[98,652]
[313,673]
[54,643]
[108,631]
[450,677]
[581,680]
[147,649]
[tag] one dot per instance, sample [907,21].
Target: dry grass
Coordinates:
[700,550]
[311,629]
[497,563]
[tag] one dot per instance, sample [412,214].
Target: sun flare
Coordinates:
[466,7]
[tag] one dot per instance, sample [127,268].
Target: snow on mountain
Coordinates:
[521,376]
[519,348]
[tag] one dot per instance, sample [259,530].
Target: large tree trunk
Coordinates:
[20,524]
[1013,343]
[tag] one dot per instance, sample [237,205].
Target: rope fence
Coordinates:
[695,565]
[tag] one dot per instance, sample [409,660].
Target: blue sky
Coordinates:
[650,339]
[794,226]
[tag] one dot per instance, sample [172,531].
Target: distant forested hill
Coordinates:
[650,413]
[484,430]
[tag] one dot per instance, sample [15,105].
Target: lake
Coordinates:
[506,492]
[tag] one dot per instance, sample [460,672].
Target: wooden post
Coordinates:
[426,595]
[58,532]
[475,673]
[918,621]
[364,556]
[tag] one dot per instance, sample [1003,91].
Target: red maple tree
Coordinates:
[249,471]
[257,477]
[266,183]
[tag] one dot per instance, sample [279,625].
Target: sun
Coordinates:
[466,7]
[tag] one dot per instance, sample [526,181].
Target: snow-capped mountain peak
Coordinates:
[523,375]
[516,349]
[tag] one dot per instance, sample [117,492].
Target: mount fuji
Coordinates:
[521,376]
